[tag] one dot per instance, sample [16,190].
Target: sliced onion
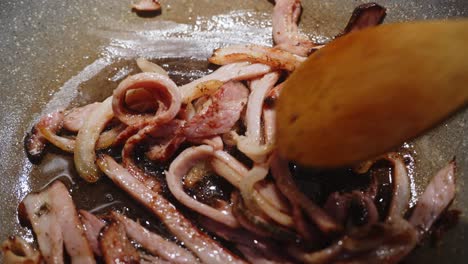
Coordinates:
[256,223]
[251,144]
[269,116]
[179,167]
[107,138]
[255,202]
[232,72]
[253,116]
[401,189]
[273,57]
[234,171]
[208,87]
[208,250]
[49,133]
[256,152]
[85,155]
[264,196]
[286,184]
[147,66]
[163,89]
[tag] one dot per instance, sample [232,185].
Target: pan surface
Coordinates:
[67,53]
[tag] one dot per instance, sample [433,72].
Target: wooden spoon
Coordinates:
[369,91]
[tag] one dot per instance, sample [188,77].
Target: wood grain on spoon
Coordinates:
[371,90]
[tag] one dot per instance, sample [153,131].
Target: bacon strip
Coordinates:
[203,246]
[179,167]
[74,238]
[150,131]
[15,250]
[48,129]
[75,118]
[273,57]
[286,184]
[92,226]
[55,221]
[221,115]
[285,31]
[115,246]
[167,140]
[154,243]
[263,249]
[364,16]
[38,210]
[147,5]
[35,142]
[162,89]
[436,198]
[231,72]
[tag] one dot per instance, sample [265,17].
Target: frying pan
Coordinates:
[67,53]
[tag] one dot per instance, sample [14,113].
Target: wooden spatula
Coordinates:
[369,91]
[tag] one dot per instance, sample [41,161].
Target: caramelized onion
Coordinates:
[179,167]
[147,66]
[256,223]
[401,189]
[273,57]
[251,144]
[255,202]
[84,154]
